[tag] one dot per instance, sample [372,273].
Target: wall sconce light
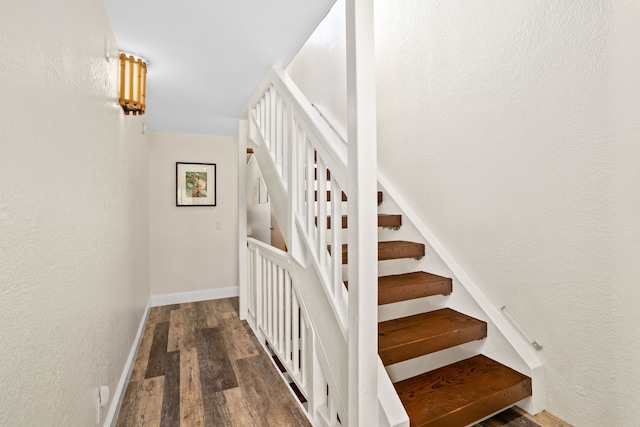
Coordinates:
[133,82]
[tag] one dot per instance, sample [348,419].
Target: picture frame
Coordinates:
[195,184]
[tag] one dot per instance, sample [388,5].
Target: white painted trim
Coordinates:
[243,135]
[363,214]
[118,396]
[390,409]
[184,297]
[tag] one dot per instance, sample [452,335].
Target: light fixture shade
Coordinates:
[133,81]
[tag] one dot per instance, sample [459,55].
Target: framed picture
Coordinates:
[195,184]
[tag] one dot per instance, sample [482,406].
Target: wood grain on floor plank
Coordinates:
[516,417]
[204,315]
[256,376]
[129,409]
[191,409]
[508,418]
[162,313]
[230,408]
[544,419]
[237,342]
[170,416]
[158,353]
[175,340]
[149,397]
[140,365]
[216,373]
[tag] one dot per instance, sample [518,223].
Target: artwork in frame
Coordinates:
[195,184]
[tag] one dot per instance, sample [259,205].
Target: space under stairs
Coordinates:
[460,391]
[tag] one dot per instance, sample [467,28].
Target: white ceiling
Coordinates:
[206,57]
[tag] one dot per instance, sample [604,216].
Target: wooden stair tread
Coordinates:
[403,287]
[344,196]
[461,393]
[384,220]
[413,336]
[395,249]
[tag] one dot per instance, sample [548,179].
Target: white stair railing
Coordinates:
[304,164]
[303,148]
[276,309]
[279,317]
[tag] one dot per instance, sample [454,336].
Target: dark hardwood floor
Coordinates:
[516,417]
[199,365]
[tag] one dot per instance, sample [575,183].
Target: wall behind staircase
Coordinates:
[73,214]
[511,128]
[188,253]
[258,214]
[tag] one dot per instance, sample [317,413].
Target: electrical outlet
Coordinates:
[218,225]
[103,398]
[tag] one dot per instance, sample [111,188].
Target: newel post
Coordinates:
[362,211]
[243,136]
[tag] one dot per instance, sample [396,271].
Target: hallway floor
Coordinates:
[199,365]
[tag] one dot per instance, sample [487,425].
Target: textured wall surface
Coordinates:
[512,130]
[187,251]
[73,214]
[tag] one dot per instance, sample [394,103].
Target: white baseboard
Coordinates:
[184,297]
[118,396]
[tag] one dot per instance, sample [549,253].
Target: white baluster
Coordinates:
[263,120]
[298,152]
[296,335]
[269,289]
[288,320]
[303,348]
[310,211]
[281,311]
[286,141]
[279,137]
[321,222]
[272,121]
[267,119]
[272,299]
[336,240]
[251,280]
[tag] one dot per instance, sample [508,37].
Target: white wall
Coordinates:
[187,251]
[73,214]
[258,214]
[512,130]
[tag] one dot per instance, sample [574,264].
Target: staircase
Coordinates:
[455,395]
[304,164]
